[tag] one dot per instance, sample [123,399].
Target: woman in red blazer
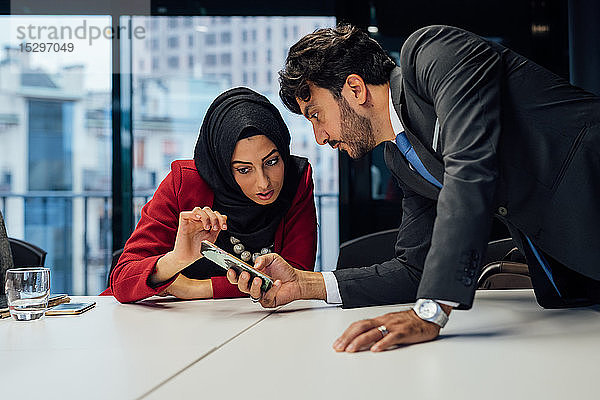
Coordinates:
[243,191]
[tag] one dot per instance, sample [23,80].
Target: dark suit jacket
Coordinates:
[516,142]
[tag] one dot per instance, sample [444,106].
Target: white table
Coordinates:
[506,347]
[115,351]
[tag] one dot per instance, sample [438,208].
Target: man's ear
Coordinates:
[355,89]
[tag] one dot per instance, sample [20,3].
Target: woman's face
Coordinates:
[258,169]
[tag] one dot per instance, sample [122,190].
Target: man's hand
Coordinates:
[289,283]
[403,327]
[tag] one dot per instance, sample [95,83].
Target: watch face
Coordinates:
[428,309]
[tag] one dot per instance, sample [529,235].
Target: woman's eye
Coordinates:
[243,171]
[272,161]
[315,116]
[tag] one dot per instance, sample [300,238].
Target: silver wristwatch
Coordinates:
[429,310]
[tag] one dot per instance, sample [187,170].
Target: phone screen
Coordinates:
[226,261]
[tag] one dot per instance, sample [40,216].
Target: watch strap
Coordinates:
[440,318]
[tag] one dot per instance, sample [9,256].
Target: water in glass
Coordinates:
[27,292]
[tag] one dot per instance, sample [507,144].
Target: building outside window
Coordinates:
[173,62]
[210,60]
[226,59]
[173,42]
[56,128]
[55,156]
[210,39]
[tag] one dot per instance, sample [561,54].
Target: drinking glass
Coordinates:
[27,292]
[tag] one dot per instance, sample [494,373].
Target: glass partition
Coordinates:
[55,135]
[184,63]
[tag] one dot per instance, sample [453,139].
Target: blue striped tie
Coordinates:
[411,156]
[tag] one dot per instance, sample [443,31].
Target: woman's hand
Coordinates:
[186,288]
[194,227]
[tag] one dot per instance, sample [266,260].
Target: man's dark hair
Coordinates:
[326,57]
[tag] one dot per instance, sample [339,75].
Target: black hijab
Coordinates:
[235,114]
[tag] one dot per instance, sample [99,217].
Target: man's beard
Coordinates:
[356,131]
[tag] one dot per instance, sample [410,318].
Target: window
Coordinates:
[169,106]
[226,37]
[210,39]
[55,151]
[173,22]
[173,62]
[154,44]
[155,64]
[226,58]
[210,60]
[173,42]
[188,22]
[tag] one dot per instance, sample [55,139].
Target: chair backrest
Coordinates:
[498,250]
[113,263]
[25,254]
[367,250]
[504,275]
[499,272]
[6,261]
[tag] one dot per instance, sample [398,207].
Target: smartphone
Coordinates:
[226,261]
[71,308]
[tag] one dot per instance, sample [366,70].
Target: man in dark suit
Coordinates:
[472,131]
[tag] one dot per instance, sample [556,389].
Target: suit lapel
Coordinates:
[433,165]
[398,166]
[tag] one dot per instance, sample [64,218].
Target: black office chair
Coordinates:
[370,249]
[26,254]
[504,265]
[113,263]
[504,275]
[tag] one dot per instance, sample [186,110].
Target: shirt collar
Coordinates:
[396,124]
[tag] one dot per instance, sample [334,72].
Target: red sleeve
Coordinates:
[295,238]
[222,289]
[298,240]
[152,238]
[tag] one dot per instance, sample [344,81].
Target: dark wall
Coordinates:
[538,29]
